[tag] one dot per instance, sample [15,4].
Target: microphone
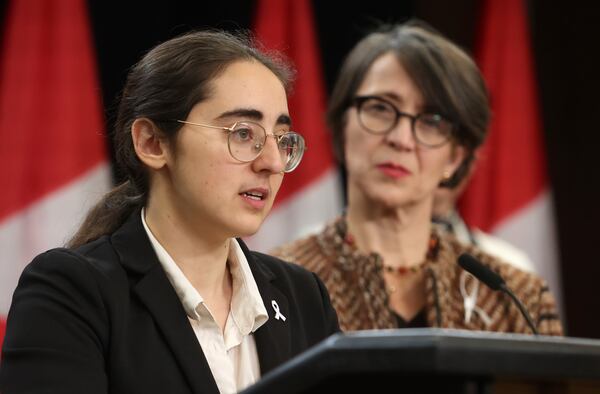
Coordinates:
[494,282]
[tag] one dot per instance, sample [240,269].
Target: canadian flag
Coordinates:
[53,162]
[312,193]
[509,194]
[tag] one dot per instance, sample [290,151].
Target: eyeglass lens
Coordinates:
[379,116]
[247,140]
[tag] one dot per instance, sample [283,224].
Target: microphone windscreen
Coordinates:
[480,271]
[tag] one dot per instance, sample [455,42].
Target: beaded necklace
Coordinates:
[432,252]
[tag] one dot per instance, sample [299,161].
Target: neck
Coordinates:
[400,235]
[202,259]
[443,208]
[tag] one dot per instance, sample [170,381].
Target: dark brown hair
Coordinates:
[164,85]
[449,80]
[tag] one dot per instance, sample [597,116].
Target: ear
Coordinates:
[149,146]
[457,156]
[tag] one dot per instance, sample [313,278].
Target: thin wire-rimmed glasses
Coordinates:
[246,140]
[379,116]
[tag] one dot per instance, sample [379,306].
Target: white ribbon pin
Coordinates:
[278,315]
[470,300]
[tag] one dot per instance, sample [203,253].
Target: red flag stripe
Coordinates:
[51,129]
[47,58]
[2,330]
[288,26]
[512,169]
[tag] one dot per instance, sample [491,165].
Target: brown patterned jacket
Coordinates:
[358,293]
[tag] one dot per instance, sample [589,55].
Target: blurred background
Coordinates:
[108,37]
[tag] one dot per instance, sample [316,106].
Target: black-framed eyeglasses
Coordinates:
[246,140]
[379,116]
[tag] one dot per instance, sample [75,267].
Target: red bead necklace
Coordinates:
[432,251]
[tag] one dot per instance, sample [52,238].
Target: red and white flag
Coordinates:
[510,194]
[312,193]
[53,161]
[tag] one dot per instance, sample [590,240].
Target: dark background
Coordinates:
[565,37]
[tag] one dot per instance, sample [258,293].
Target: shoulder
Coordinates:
[86,267]
[503,250]
[315,251]
[453,248]
[295,250]
[276,267]
[63,285]
[517,279]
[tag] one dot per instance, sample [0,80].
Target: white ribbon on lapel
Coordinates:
[470,300]
[278,315]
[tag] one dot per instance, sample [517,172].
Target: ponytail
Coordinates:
[108,214]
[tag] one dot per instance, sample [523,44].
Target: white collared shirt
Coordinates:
[231,355]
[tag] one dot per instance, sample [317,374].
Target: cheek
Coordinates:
[352,132]
[433,164]
[357,148]
[275,182]
[208,174]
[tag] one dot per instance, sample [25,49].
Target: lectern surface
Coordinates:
[430,360]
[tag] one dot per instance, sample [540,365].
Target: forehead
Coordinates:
[247,85]
[387,76]
[245,82]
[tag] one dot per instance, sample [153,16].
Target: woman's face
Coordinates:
[227,197]
[393,170]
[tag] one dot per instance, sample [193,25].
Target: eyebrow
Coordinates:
[391,96]
[253,114]
[426,108]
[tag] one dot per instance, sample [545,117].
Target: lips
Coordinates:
[393,170]
[255,197]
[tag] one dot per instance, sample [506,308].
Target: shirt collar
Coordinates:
[247,308]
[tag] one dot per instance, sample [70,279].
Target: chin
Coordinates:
[388,204]
[246,233]
[247,228]
[385,198]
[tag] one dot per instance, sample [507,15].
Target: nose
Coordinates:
[270,158]
[401,136]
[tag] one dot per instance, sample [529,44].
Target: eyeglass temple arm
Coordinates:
[207,125]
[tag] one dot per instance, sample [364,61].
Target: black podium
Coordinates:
[433,360]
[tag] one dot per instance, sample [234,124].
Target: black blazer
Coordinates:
[103,318]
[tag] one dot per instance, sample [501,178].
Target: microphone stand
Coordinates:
[521,307]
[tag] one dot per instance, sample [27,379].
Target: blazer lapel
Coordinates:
[157,294]
[273,340]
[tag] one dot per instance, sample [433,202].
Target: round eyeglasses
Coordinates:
[246,140]
[378,116]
